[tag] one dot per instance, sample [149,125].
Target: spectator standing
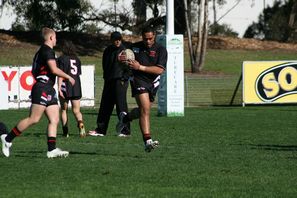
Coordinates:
[116,80]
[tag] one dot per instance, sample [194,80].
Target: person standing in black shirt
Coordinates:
[150,62]
[43,97]
[69,63]
[116,80]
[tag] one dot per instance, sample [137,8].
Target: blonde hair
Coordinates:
[46,33]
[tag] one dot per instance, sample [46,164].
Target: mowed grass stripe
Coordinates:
[210,152]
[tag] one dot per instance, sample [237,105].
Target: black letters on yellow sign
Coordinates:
[277,82]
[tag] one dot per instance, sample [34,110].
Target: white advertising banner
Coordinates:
[18,82]
[171,91]
[88,86]
[4,94]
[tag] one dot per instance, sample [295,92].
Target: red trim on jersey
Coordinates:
[44,94]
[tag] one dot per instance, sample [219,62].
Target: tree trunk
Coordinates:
[140,12]
[180,21]
[198,50]
[292,22]
[215,24]
[214,11]
[204,37]
[197,56]
[189,32]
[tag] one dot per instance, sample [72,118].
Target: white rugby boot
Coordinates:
[57,153]
[5,145]
[150,145]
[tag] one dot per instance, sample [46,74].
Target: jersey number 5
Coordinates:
[73,67]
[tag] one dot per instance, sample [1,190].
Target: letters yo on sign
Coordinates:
[17,83]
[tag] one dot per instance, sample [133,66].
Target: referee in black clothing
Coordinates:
[116,80]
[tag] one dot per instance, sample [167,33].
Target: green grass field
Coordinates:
[213,151]
[210,152]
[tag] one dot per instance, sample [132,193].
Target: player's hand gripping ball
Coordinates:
[126,55]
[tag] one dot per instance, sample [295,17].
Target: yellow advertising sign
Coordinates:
[266,82]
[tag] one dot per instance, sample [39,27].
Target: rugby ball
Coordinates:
[126,55]
[129,54]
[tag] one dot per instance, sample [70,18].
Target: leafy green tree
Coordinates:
[215,27]
[254,31]
[131,18]
[66,15]
[139,7]
[140,11]
[273,23]
[222,30]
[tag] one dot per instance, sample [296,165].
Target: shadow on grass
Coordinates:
[31,153]
[42,154]
[96,113]
[82,153]
[273,147]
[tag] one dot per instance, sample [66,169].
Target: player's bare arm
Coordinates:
[134,64]
[60,80]
[58,72]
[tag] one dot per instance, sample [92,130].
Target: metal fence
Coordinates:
[200,90]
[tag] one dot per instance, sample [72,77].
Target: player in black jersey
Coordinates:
[150,62]
[69,63]
[116,82]
[43,97]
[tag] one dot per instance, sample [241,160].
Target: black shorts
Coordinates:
[72,92]
[43,94]
[67,99]
[71,97]
[139,86]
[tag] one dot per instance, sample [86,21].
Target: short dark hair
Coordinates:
[68,48]
[148,29]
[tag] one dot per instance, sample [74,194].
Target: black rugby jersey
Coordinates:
[112,68]
[71,65]
[154,56]
[40,68]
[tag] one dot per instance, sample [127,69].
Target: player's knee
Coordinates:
[54,121]
[145,110]
[34,120]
